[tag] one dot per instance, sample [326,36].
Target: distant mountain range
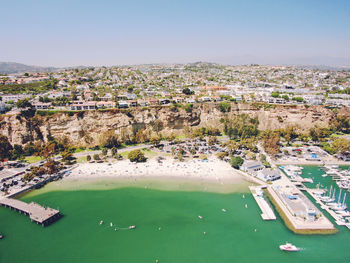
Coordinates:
[13,67]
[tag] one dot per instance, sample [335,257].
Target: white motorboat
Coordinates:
[338,207]
[289,247]
[343,212]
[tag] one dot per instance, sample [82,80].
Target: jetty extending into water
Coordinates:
[298,212]
[267,212]
[37,213]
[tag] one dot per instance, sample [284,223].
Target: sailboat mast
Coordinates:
[339,196]
[344,199]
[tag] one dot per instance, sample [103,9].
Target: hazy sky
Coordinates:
[103,32]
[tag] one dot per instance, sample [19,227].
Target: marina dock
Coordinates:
[267,212]
[336,217]
[37,213]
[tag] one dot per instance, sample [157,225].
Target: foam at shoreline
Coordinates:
[164,183]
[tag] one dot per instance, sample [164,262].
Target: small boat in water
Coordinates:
[111,224]
[101,222]
[223,210]
[289,247]
[1,236]
[200,217]
[132,227]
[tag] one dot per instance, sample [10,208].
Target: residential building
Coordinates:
[90,105]
[107,97]
[133,103]
[164,101]
[41,105]
[105,104]
[179,99]
[204,99]
[153,102]
[143,103]
[123,104]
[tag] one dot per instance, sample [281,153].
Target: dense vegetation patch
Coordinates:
[29,88]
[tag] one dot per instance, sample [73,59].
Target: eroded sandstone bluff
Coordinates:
[86,128]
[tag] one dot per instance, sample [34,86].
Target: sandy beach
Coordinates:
[213,175]
[212,169]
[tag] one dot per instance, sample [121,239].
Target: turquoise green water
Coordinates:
[230,236]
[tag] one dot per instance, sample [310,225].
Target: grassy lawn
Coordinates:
[33,159]
[181,137]
[149,153]
[123,145]
[78,150]
[81,159]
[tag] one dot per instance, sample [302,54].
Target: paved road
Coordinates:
[268,158]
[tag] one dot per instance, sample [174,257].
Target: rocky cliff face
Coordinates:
[86,128]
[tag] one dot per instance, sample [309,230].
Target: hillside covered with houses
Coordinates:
[147,85]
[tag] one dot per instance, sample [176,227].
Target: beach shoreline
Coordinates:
[213,175]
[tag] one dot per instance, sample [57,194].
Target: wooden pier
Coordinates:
[37,213]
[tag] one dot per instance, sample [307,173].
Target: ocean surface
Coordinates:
[168,229]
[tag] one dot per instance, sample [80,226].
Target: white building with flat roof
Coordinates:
[252,166]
